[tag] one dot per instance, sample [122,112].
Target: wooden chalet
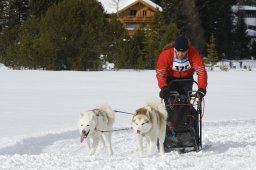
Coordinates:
[134,14]
[138,14]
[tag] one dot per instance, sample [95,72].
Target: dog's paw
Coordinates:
[149,154]
[140,154]
[161,149]
[110,151]
[92,152]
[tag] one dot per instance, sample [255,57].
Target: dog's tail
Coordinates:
[109,112]
[158,106]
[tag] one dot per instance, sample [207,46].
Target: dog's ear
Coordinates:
[148,109]
[137,112]
[148,115]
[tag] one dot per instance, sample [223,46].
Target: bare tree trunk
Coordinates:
[116,4]
[194,28]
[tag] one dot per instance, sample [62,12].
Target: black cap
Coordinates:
[181,44]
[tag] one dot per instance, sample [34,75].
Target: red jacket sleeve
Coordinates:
[162,68]
[199,67]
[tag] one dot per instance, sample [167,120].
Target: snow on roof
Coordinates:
[110,6]
[235,8]
[251,33]
[153,4]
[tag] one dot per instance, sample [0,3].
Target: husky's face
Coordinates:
[141,124]
[86,124]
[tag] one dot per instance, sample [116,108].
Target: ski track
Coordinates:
[227,144]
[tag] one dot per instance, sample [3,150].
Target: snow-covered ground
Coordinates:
[39,111]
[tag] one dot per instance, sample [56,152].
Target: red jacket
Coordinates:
[167,66]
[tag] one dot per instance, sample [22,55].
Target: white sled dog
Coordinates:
[150,122]
[96,125]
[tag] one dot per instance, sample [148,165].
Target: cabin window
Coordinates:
[133,12]
[250,14]
[144,13]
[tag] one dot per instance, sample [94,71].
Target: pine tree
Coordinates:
[13,12]
[2,15]
[75,31]
[115,39]
[7,14]
[171,10]
[26,50]
[69,36]
[7,42]
[212,54]
[217,17]
[185,15]
[157,1]
[39,7]
[22,10]
[157,37]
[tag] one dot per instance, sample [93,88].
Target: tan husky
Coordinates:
[150,122]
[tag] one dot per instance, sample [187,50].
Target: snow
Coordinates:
[241,65]
[40,109]
[251,33]
[111,6]
[250,21]
[235,8]
[153,4]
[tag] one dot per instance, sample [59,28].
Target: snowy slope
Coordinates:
[39,111]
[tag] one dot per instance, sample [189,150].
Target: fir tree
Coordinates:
[157,37]
[217,17]
[69,36]
[212,54]
[75,29]
[115,39]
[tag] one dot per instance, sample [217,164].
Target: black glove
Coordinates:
[164,93]
[201,93]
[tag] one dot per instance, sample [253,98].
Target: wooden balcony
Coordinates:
[136,19]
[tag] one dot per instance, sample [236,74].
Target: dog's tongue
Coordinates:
[82,138]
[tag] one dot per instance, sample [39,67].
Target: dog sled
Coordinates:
[184,123]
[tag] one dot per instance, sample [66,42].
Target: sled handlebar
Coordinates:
[190,94]
[181,80]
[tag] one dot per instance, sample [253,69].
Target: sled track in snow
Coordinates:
[34,145]
[227,142]
[217,136]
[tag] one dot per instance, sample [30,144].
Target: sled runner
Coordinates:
[184,122]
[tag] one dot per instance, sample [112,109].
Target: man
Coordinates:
[180,62]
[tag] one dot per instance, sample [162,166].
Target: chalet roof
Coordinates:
[110,6]
[236,8]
